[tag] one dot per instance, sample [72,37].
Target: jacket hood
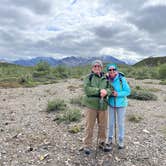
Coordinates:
[112,65]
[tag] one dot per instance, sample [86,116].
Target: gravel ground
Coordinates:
[29,136]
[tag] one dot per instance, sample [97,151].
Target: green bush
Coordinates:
[25,79]
[142,95]
[40,73]
[56,105]
[163,82]
[144,72]
[71,115]
[138,87]
[42,66]
[77,101]
[74,129]
[61,72]
[162,71]
[134,118]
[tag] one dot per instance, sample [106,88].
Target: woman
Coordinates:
[117,103]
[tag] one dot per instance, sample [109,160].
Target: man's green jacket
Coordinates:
[93,83]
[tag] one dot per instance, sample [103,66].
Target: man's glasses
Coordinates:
[96,66]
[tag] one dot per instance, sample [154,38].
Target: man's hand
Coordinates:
[103,93]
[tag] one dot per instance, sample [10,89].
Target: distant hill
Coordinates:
[68,61]
[6,64]
[151,61]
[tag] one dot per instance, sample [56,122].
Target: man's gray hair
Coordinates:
[97,62]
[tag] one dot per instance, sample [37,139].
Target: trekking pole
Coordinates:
[97,142]
[115,118]
[101,103]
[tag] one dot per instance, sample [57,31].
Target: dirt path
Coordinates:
[30,137]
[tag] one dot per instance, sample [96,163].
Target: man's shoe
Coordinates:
[87,151]
[109,143]
[105,147]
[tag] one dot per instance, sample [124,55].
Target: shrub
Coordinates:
[71,115]
[42,66]
[56,105]
[162,71]
[142,95]
[163,82]
[138,87]
[24,79]
[134,118]
[74,129]
[142,73]
[61,72]
[77,101]
[39,73]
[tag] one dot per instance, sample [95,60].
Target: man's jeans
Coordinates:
[121,122]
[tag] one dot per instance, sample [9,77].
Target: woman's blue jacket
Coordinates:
[122,88]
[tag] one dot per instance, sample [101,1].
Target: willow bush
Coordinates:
[142,95]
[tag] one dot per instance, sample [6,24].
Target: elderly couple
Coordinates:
[102,90]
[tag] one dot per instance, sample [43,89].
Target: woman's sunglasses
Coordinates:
[112,69]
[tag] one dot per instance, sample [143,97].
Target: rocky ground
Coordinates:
[29,136]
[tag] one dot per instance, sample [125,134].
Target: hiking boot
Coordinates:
[109,143]
[103,146]
[121,145]
[87,151]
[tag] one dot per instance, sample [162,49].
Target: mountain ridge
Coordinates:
[151,61]
[68,61]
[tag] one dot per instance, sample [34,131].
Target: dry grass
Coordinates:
[160,116]
[10,84]
[72,88]
[154,90]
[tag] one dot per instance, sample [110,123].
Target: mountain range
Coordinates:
[68,61]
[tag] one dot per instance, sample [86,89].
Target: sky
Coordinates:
[129,30]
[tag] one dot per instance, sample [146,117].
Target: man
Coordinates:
[96,89]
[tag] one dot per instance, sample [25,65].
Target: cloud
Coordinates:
[82,28]
[151,19]
[38,6]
